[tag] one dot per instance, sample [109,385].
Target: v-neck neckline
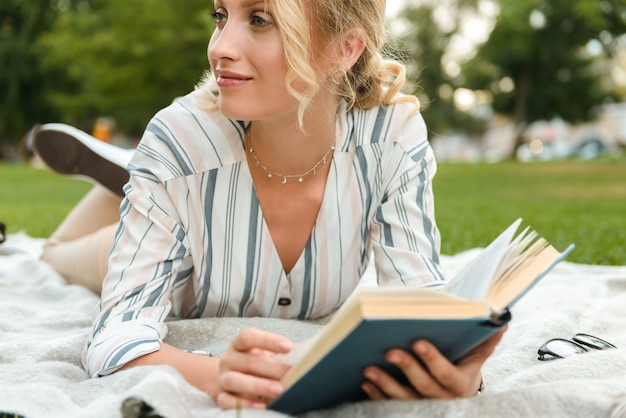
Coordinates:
[331,181]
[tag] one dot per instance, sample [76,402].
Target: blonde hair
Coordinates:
[372,81]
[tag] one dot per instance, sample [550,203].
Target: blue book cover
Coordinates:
[337,377]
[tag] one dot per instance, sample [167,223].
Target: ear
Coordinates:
[350,47]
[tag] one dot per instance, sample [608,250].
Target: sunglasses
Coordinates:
[564,348]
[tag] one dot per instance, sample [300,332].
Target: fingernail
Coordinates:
[393,358]
[370,374]
[365,387]
[276,389]
[421,348]
[286,345]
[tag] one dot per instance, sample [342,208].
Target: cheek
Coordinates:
[276,67]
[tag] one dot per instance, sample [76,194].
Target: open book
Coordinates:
[328,369]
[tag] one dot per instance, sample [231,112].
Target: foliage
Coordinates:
[425,46]
[76,60]
[23,83]
[539,48]
[126,59]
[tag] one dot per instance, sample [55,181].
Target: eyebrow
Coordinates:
[246,4]
[250,3]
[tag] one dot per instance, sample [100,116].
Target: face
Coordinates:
[248,62]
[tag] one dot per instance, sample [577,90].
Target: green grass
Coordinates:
[567,202]
[36,200]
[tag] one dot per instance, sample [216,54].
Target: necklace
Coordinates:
[271,173]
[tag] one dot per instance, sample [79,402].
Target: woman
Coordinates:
[264,192]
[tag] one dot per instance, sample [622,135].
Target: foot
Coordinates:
[3,232]
[70,151]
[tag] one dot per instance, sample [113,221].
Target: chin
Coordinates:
[233,111]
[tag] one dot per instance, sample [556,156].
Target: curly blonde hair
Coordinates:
[372,81]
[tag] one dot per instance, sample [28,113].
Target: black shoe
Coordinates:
[70,151]
[3,232]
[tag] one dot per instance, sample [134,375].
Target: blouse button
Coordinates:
[284,302]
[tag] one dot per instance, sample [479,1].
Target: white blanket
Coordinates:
[44,323]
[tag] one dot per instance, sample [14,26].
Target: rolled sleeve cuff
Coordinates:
[118,344]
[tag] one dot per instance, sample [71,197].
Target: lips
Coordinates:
[231,79]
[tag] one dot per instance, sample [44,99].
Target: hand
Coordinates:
[247,371]
[435,377]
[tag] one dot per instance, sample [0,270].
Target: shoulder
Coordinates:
[398,124]
[190,136]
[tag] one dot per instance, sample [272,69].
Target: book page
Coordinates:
[516,262]
[517,246]
[525,276]
[473,282]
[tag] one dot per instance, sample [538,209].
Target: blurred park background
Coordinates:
[525,101]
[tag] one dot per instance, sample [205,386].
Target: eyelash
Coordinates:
[217,16]
[258,21]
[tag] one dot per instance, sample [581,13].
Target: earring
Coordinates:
[341,72]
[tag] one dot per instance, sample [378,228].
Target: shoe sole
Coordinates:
[65,154]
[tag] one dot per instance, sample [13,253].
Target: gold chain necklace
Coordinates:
[271,173]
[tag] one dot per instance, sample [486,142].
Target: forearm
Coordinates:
[199,370]
[244,375]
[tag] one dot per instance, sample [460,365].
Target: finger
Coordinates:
[256,363]
[372,391]
[484,350]
[249,386]
[449,380]
[388,386]
[417,374]
[227,400]
[460,380]
[252,338]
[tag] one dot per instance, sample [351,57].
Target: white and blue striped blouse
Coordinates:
[193,242]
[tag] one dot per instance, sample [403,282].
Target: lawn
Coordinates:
[36,200]
[567,202]
[580,202]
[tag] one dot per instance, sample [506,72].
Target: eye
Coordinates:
[259,21]
[218,17]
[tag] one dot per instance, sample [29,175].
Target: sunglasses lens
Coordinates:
[564,348]
[591,341]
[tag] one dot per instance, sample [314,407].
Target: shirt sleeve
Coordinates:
[404,235]
[149,259]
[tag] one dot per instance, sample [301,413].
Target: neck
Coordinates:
[283,177]
[284,148]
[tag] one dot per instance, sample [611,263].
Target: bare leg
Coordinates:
[80,246]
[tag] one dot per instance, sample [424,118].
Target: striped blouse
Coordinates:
[192,241]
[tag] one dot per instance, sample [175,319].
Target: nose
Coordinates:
[225,43]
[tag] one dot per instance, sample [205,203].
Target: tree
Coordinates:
[536,63]
[426,46]
[126,59]
[23,84]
